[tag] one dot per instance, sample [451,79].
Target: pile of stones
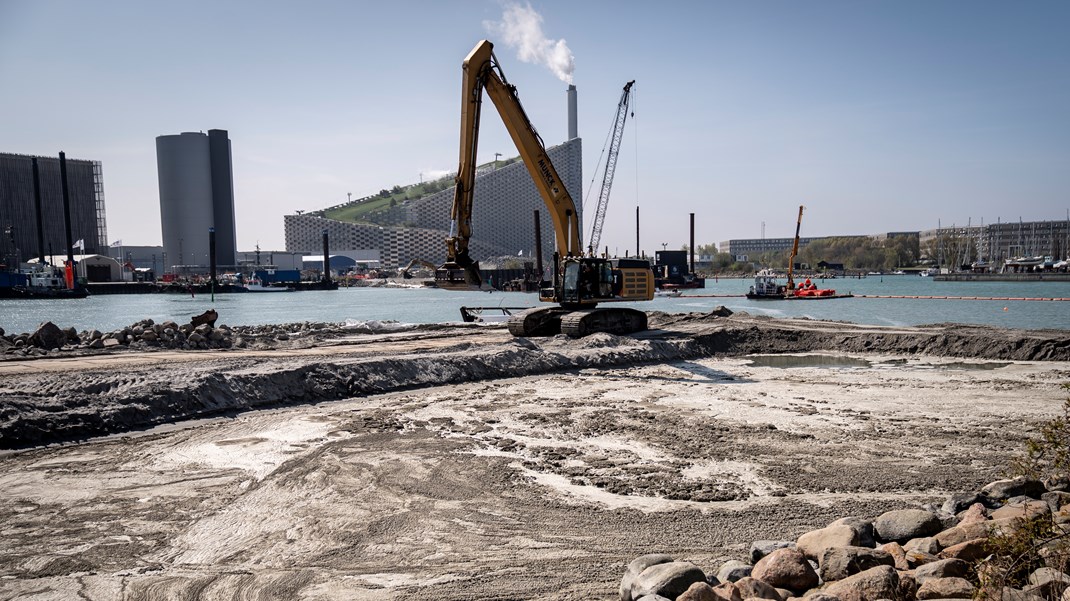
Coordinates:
[50,339]
[903,555]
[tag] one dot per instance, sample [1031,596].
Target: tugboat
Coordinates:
[38,281]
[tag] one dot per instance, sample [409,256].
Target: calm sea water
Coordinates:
[428,305]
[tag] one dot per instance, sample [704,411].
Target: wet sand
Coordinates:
[514,483]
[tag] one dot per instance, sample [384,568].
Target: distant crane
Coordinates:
[611,167]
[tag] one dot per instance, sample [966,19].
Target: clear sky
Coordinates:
[878,116]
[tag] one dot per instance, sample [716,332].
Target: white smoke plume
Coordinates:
[521,28]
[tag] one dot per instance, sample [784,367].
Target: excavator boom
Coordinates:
[579,283]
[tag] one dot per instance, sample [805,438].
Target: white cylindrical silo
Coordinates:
[183,163]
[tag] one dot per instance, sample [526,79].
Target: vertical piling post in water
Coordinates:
[538,247]
[37,209]
[66,207]
[211,260]
[326,260]
[692,247]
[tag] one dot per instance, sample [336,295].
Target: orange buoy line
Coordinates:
[975,298]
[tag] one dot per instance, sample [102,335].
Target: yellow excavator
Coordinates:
[578,283]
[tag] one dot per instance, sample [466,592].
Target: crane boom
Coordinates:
[611,167]
[794,251]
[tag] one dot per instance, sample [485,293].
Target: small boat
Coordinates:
[255,285]
[671,292]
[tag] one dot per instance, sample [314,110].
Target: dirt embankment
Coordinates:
[95,394]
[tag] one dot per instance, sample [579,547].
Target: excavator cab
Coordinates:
[586,281]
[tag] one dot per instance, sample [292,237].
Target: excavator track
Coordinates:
[613,320]
[539,321]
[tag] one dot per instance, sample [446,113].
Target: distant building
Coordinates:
[196,194]
[503,222]
[18,214]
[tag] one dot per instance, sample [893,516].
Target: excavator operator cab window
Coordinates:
[571,283]
[605,280]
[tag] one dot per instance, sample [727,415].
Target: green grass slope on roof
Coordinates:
[362,210]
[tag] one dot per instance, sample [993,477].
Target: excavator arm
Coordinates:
[482,72]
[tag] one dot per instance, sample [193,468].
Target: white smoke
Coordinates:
[521,28]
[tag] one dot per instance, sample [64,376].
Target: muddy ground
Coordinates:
[460,463]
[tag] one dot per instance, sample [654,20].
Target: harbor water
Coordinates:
[430,305]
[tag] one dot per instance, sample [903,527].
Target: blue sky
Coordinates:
[878,116]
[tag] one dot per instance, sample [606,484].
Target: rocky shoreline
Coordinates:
[915,554]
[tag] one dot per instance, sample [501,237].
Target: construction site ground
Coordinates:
[447,463]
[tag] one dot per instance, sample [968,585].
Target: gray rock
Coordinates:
[654,598]
[1001,490]
[944,568]
[1048,583]
[1056,500]
[108,343]
[785,568]
[761,548]
[635,568]
[733,570]
[667,579]
[48,336]
[195,338]
[96,343]
[925,544]
[904,524]
[864,528]
[72,336]
[721,311]
[838,563]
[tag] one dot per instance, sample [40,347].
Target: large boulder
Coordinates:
[1026,510]
[946,588]
[813,543]
[761,548]
[1001,490]
[1048,583]
[944,568]
[752,588]
[666,579]
[699,591]
[733,570]
[969,551]
[881,582]
[864,528]
[786,568]
[635,568]
[48,336]
[904,524]
[838,563]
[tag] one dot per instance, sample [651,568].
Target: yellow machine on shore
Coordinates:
[578,283]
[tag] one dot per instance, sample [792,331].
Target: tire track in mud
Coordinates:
[42,408]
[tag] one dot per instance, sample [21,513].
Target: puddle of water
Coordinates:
[840,362]
[790,361]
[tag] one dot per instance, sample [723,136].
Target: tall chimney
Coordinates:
[573,127]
